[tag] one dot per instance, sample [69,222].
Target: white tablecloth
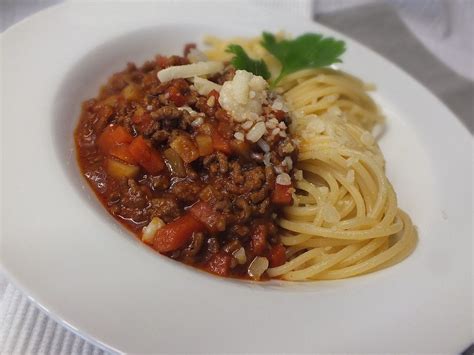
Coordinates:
[444,27]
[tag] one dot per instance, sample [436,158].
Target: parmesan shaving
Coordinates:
[189,70]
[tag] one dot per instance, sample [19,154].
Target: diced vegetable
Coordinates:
[282,194]
[240,256]
[220,264]
[186,148]
[220,143]
[149,158]
[122,152]
[110,101]
[213,220]
[174,162]
[258,238]
[257,267]
[132,93]
[113,136]
[204,144]
[176,234]
[277,255]
[119,169]
[149,230]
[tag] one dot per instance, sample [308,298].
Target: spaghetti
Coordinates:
[345,220]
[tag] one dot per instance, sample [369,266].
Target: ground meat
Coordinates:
[236,185]
[166,207]
[160,136]
[216,163]
[186,191]
[157,182]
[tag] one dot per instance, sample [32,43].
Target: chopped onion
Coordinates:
[256,132]
[288,162]
[174,162]
[189,70]
[121,170]
[239,254]
[204,143]
[257,267]
[197,122]
[283,179]
[149,230]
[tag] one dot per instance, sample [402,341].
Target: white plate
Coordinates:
[70,256]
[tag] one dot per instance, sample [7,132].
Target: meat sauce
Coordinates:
[162,155]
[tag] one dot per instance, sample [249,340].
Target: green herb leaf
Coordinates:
[242,61]
[309,50]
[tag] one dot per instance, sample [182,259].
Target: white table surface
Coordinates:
[438,34]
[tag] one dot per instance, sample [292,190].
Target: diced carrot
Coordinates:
[149,158]
[220,264]
[204,143]
[113,136]
[176,234]
[186,148]
[122,152]
[258,239]
[213,220]
[220,143]
[277,255]
[282,194]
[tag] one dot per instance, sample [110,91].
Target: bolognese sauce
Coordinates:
[184,169]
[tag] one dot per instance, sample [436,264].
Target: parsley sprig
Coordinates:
[242,61]
[309,50]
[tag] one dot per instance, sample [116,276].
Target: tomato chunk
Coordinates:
[113,136]
[258,238]
[282,194]
[149,158]
[220,264]
[213,220]
[277,255]
[176,234]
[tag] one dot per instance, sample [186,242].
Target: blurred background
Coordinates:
[433,40]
